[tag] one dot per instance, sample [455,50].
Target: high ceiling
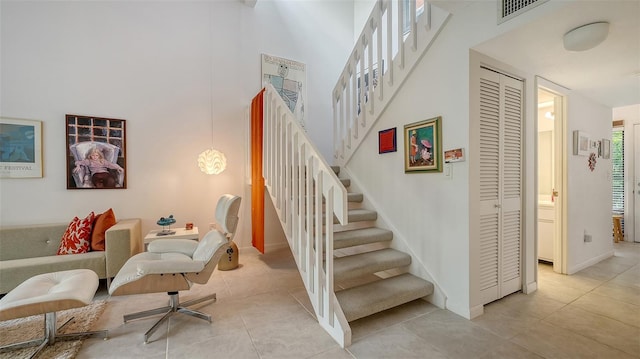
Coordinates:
[608,74]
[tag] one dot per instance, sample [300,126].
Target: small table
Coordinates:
[180,233]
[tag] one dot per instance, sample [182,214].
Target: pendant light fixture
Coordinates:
[211,161]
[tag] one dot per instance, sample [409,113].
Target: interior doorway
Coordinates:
[636,182]
[551,237]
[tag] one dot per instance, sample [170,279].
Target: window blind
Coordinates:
[617,162]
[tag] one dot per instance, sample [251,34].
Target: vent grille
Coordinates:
[512,8]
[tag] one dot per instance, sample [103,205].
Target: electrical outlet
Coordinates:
[212,226]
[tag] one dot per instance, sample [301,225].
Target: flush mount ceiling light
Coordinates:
[586,36]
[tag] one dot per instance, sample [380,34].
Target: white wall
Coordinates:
[631,117]
[589,192]
[430,212]
[150,63]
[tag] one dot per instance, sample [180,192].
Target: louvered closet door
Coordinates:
[501,99]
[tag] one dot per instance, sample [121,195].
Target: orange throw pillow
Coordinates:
[76,239]
[103,222]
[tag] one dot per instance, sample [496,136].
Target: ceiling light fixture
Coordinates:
[586,37]
[211,161]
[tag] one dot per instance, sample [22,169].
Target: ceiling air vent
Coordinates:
[509,9]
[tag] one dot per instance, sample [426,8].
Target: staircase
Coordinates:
[347,264]
[362,252]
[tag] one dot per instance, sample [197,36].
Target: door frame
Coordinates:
[560,169]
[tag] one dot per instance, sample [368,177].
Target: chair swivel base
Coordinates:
[51,335]
[174,307]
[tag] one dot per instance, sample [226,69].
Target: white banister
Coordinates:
[307,196]
[387,49]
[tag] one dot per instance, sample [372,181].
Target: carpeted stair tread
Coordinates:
[359,215]
[351,197]
[354,197]
[357,265]
[357,237]
[345,181]
[359,302]
[336,169]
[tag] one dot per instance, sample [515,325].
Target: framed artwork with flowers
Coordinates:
[423,146]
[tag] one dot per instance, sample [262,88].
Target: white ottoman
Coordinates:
[46,294]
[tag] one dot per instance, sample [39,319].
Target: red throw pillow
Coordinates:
[103,222]
[77,237]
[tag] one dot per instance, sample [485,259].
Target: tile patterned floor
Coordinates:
[262,312]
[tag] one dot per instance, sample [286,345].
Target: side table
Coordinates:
[180,233]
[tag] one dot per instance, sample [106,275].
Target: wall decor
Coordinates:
[592,161]
[422,146]
[456,155]
[606,148]
[387,141]
[20,148]
[288,77]
[581,143]
[96,152]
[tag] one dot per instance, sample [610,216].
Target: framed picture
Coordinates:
[96,152]
[606,148]
[422,146]
[581,143]
[288,77]
[456,155]
[387,141]
[20,148]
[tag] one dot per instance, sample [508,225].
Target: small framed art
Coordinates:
[606,148]
[581,143]
[387,141]
[423,146]
[20,148]
[456,155]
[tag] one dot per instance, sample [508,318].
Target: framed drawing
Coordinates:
[288,77]
[606,148]
[20,148]
[387,141]
[423,146]
[581,143]
[456,155]
[96,152]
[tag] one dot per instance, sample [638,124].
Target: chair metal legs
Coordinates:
[51,336]
[174,307]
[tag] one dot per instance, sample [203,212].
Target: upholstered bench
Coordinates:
[46,294]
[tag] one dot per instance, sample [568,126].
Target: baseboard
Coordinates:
[530,287]
[589,263]
[465,312]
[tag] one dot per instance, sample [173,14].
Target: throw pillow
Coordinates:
[76,239]
[102,222]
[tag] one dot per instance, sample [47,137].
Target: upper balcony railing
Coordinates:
[394,37]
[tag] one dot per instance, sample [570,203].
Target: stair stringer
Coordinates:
[430,27]
[417,267]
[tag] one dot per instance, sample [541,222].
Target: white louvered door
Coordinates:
[500,231]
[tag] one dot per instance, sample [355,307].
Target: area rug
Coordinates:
[23,329]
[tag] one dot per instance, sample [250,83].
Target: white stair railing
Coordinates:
[299,180]
[386,51]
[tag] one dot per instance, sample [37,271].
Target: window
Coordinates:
[419,10]
[617,162]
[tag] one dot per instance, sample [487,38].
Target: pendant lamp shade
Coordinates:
[212,162]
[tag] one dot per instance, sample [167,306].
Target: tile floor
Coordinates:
[261,313]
